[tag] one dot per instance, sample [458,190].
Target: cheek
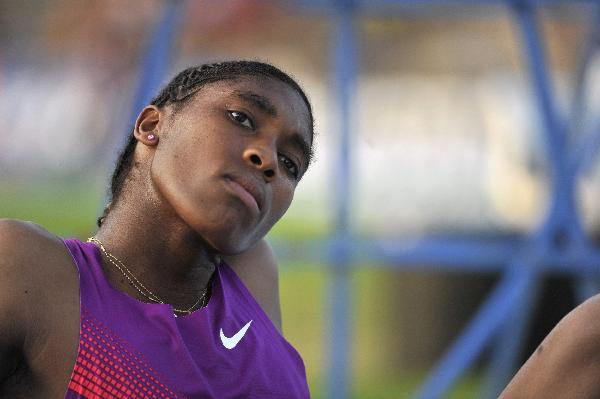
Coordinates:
[184,157]
[282,201]
[177,176]
[167,170]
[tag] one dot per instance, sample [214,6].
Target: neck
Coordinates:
[160,250]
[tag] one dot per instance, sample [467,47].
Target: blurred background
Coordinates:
[445,140]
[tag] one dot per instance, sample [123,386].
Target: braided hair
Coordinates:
[180,90]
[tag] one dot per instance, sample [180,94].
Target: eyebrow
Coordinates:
[259,101]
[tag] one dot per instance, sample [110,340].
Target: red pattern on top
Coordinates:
[106,368]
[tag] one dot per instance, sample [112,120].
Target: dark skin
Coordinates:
[567,363]
[222,171]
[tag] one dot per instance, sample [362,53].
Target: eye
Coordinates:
[290,166]
[241,118]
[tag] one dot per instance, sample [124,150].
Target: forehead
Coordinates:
[271,95]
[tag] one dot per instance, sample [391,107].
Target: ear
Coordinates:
[147,125]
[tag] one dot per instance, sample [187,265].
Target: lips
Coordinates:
[247,190]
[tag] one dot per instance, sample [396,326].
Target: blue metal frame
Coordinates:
[157,55]
[340,255]
[559,244]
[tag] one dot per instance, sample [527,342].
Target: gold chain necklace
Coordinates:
[137,284]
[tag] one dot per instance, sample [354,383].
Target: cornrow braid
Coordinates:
[180,90]
[190,80]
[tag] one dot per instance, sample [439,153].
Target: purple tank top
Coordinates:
[131,349]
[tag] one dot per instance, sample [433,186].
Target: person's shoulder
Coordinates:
[37,282]
[34,264]
[581,327]
[29,253]
[567,362]
[13,229]
[22,241]
[258,270]
[24,249]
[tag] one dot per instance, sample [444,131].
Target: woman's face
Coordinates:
[229,160]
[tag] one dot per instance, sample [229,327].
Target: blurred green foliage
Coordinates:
[64,207]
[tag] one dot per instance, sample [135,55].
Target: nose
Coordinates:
[263,160]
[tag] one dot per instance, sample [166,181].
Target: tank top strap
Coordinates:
[92,282]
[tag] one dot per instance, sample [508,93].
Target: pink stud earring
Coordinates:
[151,137]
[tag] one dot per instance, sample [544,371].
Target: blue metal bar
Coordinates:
[510,342]
[578,104]
[157,57]
[534,54]
[464,253]
[562,222]
[381,3]
[491,316]
[339,337]
[427,253]
[586,149]
[444,254]
[339,334]
[586,145]
[398,5]
[345,64]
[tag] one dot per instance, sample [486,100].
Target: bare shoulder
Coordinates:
[567,362]
[34,264]
[257,268]
[20,246]
[25,245]
[16,231]
[39,302]
[28,256]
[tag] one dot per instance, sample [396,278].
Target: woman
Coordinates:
[176,294]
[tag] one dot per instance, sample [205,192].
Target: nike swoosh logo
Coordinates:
[231,342]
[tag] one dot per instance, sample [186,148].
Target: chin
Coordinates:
[226,235]
[230,242]
[232,248]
